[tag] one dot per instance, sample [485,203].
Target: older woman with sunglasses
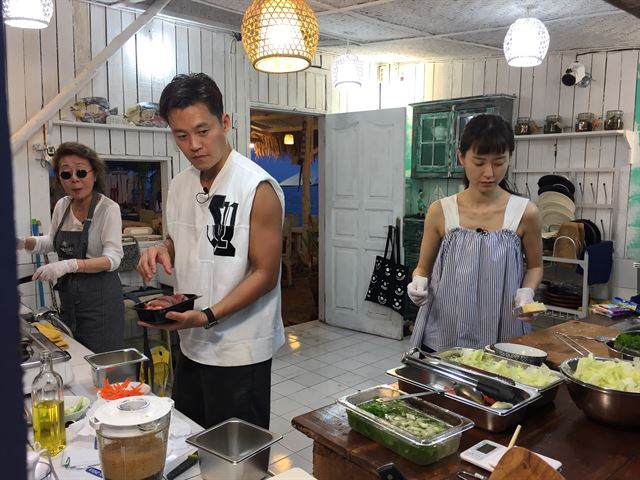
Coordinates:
[86,233]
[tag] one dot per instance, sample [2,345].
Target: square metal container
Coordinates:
[115,366]
[413,379]
[234,450]
[418,450]
[547,393]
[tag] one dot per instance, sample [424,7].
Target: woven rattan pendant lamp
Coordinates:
[27,13]
[526,43]
[280,36]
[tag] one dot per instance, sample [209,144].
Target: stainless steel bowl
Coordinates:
[608,406]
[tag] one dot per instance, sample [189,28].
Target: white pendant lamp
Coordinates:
[27,13]
[347,72]
[526,42]
[280,36]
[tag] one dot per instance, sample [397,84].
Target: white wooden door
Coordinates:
[363,193]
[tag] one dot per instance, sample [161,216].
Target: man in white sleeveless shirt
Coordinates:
[224,223]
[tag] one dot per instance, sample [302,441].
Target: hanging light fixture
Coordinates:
[526,42]
[280,36]
[288,139]
[27,13]
[347,72]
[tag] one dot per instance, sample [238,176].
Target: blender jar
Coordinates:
[132,437]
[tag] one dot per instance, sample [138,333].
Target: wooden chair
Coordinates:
[287,250]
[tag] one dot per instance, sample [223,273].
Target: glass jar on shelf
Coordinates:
[522,126]
[584,122]
[553,124]
[613,120]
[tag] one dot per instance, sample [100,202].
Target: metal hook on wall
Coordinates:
[593,192]
[581,188]
[604,233]
[606,198]
[526,184]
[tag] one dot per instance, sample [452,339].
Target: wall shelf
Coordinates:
[566,170]
[627,134]
[109,126]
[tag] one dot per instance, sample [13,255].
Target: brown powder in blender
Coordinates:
[133,458]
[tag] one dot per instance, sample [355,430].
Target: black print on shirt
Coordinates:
[220,233]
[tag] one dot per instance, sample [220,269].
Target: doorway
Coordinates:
[285,144]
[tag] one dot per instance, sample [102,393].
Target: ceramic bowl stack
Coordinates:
[555,201]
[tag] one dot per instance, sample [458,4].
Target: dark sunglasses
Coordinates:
[66,175]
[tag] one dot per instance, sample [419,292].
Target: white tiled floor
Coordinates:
[318,364]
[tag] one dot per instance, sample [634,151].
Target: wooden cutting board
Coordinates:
[522,464]
[557,351]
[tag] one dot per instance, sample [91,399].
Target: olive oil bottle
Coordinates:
[47,402]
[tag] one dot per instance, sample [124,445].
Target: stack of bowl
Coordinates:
[555,201]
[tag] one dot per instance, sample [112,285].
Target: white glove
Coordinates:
[53,271]
[523,296]
[20,243]
[418,290]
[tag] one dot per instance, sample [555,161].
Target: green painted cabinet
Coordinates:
[437,127]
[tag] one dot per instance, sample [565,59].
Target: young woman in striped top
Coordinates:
[471,273]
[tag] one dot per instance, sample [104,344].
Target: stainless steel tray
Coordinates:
[414,379]
[548,392]
[419,450]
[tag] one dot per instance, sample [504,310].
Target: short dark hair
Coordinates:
[186,90]
[73,148]
[489,134]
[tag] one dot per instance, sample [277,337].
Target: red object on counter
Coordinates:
[165,301]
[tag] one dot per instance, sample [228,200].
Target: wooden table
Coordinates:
[587,449]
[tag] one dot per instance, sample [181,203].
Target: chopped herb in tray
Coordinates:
[628,341]
[398,414]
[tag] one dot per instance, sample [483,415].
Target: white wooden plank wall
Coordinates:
[303,91]
[40,63]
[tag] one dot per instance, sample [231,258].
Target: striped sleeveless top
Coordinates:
[473,283]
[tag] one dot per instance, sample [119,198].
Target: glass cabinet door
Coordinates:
[463,116]
[431,148]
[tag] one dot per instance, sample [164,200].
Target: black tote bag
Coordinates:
[390,277]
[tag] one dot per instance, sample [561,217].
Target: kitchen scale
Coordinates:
[486,455]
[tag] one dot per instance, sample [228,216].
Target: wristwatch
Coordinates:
[211,318]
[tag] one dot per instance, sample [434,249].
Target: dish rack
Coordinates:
[563,313]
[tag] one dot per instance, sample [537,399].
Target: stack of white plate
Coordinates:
[555,209]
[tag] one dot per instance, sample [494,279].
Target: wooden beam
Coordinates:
[631,6]
[19,138]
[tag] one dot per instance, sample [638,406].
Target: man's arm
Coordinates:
[265,253]
[163,253]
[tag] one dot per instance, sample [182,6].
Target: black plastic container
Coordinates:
[158,316]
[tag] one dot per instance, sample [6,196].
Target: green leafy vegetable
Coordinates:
[400,415]
[627,341]
[612,374]
[530,375]
[75,408]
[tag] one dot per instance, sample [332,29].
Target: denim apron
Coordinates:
[91,303]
